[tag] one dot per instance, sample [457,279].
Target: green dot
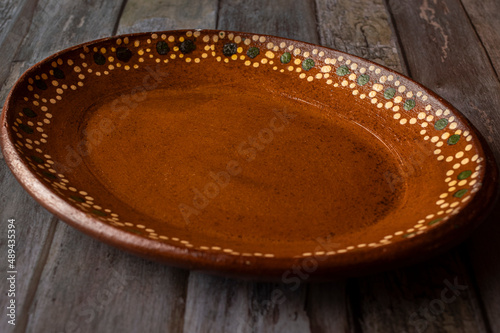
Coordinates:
[342,70]
[49,175]
[40,84]
[411,234]
[29,113]
[162,47]
[253,52]
[187,46]
[409,104]
[98,212]
[389,93]
[229,49]
[363,79]
[123,54]
[58,73]
[26,128]
[99,59]
[307,64]
[453,139]
[286,58]
[435,221]
[37,159]
[460,193]
[441,124]
[77,198]
[464,174]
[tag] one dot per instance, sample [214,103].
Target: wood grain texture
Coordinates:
[419,299]
[484,18]
[277,17]
[93,287]
[9,12]
[216,304]
[144,16]
[328,307]
[454,63]
[16,18]
[360,27]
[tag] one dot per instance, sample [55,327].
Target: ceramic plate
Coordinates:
[246,154]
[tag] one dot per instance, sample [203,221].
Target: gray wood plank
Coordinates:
[360,27]
[9,11]
[16,20]
[216,304]
[434,296]
[35,32]
[484,17]
[145,16]
[279,18]
[91,287]
[455,64]
[328,307]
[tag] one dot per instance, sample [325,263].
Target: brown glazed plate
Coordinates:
[246,155]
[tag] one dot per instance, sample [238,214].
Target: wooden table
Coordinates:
[69,282]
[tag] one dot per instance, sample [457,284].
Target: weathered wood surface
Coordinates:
[69,282]
[143,16]
[270,17]
[484,18]
[362,28]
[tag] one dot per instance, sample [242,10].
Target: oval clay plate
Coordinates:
[246,154]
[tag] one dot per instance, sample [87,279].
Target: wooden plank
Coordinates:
[144,16]
[91,287]
[9,12]
[484,17]
[34,230]
[279,18]
[435,296]
[328,308]
[16,19]
[360,27]
[34,34]
[216,304]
